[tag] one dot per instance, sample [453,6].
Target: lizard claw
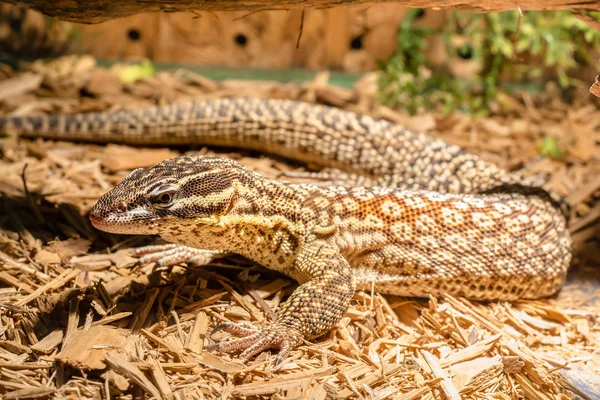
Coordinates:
[167,255]
[253,340]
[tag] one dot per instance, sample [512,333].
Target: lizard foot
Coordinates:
[166,255]
[254,340]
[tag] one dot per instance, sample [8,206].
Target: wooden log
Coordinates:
[94,11]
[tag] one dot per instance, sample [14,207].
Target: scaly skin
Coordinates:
[334,240]
[447,222]
[371,152]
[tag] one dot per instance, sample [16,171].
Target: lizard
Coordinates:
[401,211]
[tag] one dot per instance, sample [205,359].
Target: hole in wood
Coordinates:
[134,35]
[15,23]
[357,43]
[241,40]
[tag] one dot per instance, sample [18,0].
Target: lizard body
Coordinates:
[414,216]
[369,151]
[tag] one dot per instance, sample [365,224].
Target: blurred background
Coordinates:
[425,58]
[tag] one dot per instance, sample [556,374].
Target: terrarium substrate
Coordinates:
[80,319]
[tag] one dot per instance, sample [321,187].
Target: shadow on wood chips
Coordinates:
[79,318]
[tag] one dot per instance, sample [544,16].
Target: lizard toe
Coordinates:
[275,335]
[231,346]
[152,249]
[241,329]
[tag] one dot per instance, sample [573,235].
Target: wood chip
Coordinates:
[49,343]
[64,277]
[19,84]
[446,384]
[87,349]
[195,340]
[131,372]
[14,347]
[469,376]
[30,393]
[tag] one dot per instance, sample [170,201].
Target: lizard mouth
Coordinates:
[100,223]
[105,224]
[122,224]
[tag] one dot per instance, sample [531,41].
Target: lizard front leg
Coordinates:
[327,286]
[167,255]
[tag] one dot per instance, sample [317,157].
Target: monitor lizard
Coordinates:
[403,211]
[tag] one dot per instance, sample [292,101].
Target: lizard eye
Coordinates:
[163,199]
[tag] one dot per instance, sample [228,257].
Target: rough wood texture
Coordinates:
[102,10]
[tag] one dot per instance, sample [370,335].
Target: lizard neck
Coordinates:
[264,224]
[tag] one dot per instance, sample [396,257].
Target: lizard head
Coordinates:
[176,196]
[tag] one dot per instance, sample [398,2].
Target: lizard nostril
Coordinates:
[121,208]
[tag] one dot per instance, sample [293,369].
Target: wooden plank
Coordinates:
[96,11]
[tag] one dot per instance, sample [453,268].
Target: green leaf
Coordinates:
[132,73]
[548,147]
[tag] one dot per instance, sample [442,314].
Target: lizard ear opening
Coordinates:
[232,200]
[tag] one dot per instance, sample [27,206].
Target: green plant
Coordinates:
[542,41]
[406,81]
[133,72]
[508,46]
[548,147]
